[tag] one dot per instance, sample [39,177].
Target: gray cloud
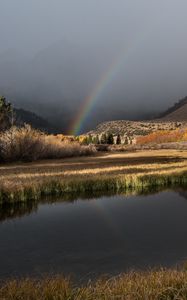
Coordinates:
[52,54]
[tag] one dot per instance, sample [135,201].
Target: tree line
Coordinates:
[104,138]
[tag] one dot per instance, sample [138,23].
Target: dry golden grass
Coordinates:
[153,285]
[106,171]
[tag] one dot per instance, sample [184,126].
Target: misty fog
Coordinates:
[53,53]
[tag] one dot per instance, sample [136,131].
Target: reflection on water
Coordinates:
[18,210]
[97,235]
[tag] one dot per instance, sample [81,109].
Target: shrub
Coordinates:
[57,149]
[163,136]
[27,144]
[21,144]
[102,147]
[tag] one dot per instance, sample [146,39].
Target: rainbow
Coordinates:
[96,93]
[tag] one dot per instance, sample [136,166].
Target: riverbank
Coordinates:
[152,285]
[115,172]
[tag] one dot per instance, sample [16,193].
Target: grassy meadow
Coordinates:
[151,285]
[116,172]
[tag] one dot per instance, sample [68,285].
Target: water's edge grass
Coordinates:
[151,285]
[58,187]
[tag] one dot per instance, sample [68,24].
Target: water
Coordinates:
[88,238]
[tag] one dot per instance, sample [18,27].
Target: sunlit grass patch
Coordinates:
[110,172]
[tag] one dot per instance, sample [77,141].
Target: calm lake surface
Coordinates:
[88,238]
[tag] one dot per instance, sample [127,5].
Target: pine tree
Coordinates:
[103,138]
[118,140]
[126,141]
[85,141]
[110,139]
[6,114]
[95,139]
[90,139]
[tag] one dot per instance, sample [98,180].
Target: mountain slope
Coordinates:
[177,113]
[23,116]
[134,128]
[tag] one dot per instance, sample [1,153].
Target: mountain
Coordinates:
[23,116]
[176,113]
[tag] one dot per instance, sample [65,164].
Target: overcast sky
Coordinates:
[152,32]
[32,25]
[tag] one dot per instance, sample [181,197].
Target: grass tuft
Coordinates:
[152,285]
